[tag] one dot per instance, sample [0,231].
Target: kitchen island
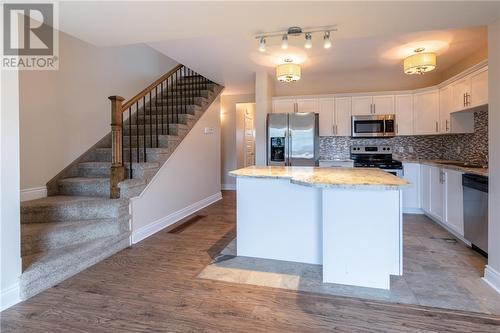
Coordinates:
[349,220]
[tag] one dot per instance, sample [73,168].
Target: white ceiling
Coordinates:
[216,38]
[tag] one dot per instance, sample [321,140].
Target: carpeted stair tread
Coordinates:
[38,237]
[71,208]
[44,270]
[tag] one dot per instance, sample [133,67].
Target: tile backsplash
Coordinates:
[471,147]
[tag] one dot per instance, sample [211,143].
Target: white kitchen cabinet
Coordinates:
[404,114]
[445,109]
[453,216]
[426,112]
[411,194]
[326,111]
[306,105]
[425,188]
[362,106]
[383,104]
[343,116]
[372,105]
[461,91]
[284,106]
[436,193]
[479,88]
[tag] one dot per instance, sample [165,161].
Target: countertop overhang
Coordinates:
[349,178]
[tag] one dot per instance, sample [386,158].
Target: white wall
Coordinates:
[10,232]
[228,136]
[188,181]
[63,113]
[492,271]
[264,90]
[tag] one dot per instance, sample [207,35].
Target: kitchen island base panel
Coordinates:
[362,237]
[279,220]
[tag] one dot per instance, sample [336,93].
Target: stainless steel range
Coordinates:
[376,157]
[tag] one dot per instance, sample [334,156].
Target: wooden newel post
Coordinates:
[117,168]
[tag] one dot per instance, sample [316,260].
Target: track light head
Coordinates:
[262,44]
[284,42]
[308,43]
[327,43]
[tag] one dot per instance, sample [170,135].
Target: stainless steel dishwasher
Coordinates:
[476,211]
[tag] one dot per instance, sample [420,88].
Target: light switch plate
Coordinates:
[209,130]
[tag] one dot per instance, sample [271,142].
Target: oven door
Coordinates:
[368,126]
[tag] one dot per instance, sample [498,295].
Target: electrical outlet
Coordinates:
[401,150]
[411,150]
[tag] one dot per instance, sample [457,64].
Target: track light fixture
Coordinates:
[297,31]
[262,44]
[284,42]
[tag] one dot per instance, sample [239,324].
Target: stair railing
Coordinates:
[169,96]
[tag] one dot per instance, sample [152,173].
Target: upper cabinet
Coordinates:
[443,109]
[404,114]
[426,112]
[470,91]
[284,106]
[295,105]
[372,105]
[334,116]
[479,88]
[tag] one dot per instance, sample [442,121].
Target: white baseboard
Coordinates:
[228,187]
[409,210]
[492,277]
[152,228]
[9,297]
[33,193]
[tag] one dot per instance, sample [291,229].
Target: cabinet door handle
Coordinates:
[397,128]
[437,127]
[374,108]
[447,127]
[464,99]
[468,98]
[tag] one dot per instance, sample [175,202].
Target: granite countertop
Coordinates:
[445,164]
[349,178]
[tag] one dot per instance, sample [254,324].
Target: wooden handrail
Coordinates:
[143,93]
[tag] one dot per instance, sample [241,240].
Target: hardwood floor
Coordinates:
[152,287]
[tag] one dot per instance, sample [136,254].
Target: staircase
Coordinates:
[85,218]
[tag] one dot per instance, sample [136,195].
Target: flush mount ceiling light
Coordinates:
[288,72]
[419,63]
[297,32]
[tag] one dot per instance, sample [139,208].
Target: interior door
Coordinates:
[404,114]
[249,138]
[302,145]
[383,105]
[343,123]
[284,106]
[362,106]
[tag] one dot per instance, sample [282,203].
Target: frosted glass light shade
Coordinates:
[420,63]
[288,72]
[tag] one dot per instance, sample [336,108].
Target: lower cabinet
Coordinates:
[411,194]
[441,196]
[453,200]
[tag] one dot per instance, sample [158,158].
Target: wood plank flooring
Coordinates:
[152,287]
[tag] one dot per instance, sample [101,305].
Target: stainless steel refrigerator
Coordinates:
[292,139]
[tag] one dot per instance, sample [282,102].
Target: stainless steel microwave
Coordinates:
[373,126]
